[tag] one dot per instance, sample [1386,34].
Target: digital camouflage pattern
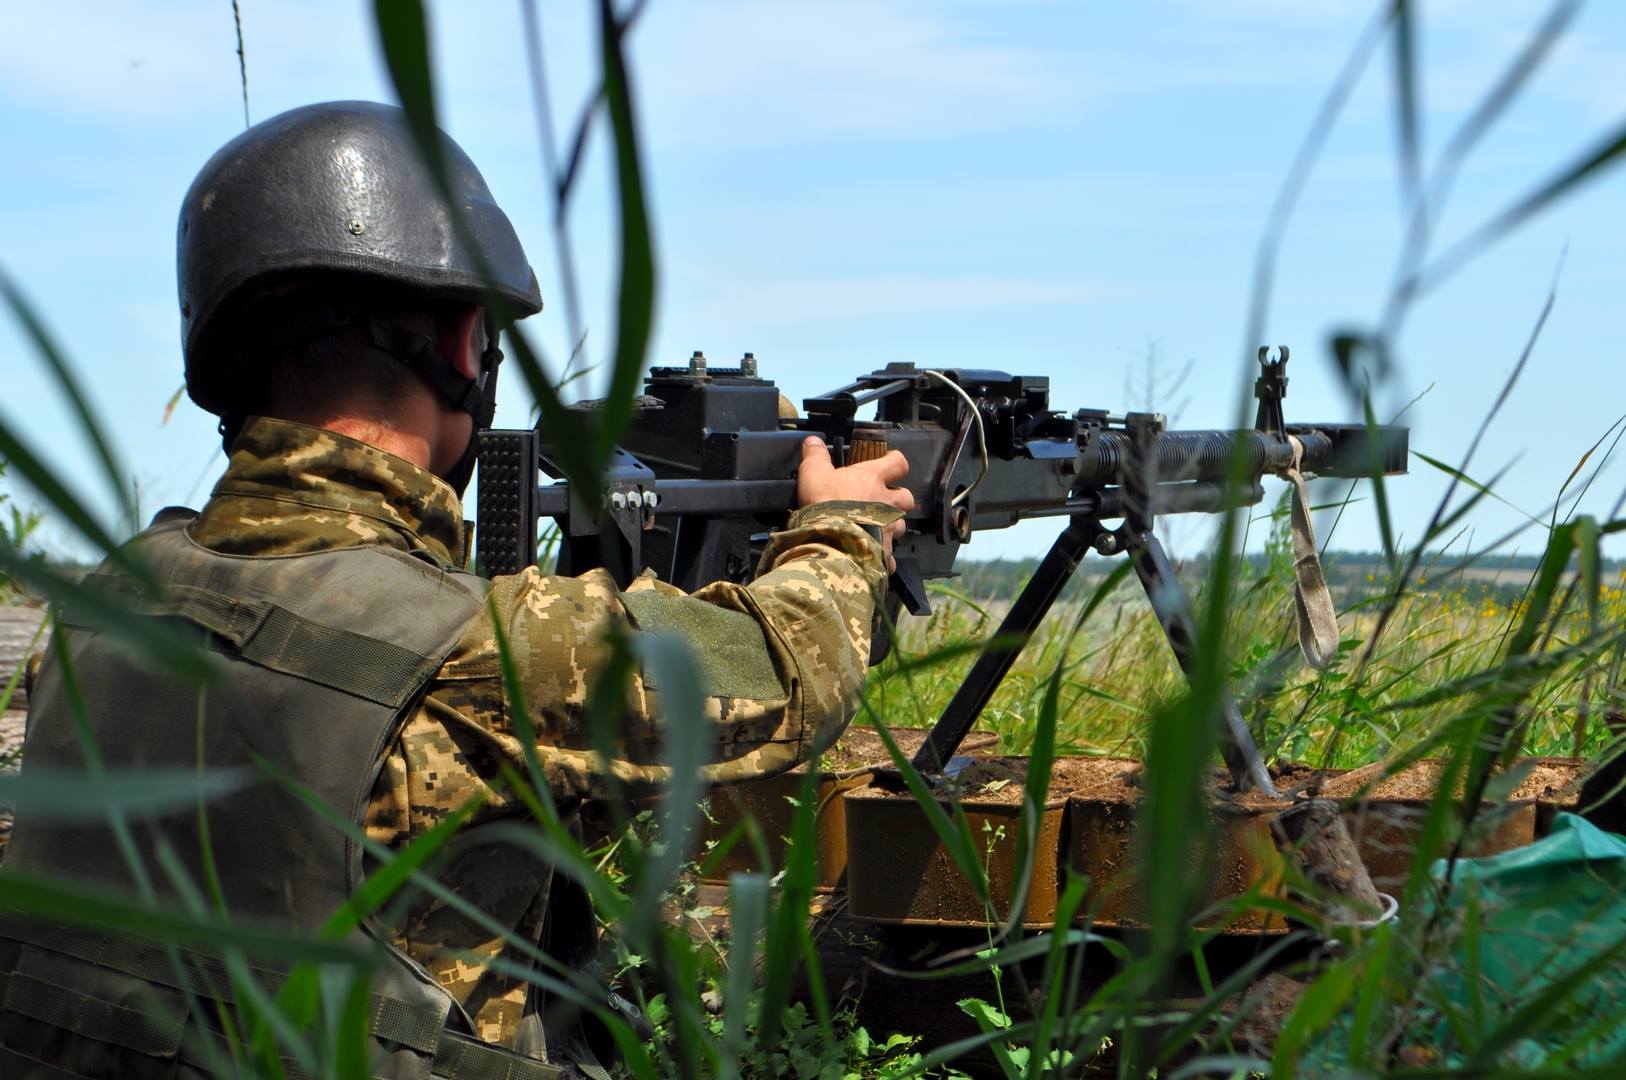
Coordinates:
[806,619]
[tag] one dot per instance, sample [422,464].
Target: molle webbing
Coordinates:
[205,976]
[32,991]
[274,637]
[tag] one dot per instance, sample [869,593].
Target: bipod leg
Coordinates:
[1002,649]
[1173,610]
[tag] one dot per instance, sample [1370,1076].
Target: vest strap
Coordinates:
[391,1019]
[30,991]
[14,1064]
[274,637]
[155,1032]
[459,1057]
[206,976]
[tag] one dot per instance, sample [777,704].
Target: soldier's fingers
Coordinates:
[892,466]
[902,498]
[890,533]
[816,456]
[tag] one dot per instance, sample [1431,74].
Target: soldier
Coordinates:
[333,320]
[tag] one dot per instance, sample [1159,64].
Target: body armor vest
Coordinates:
[322,656]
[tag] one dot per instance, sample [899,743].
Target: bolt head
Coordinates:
[618,500]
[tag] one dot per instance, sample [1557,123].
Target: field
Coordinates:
[1116,668]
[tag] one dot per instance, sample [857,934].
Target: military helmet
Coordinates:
[335,188]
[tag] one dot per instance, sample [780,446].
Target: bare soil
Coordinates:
[1549,780]
[1415,783]
[1553,780]
[861,748]
[1001,781]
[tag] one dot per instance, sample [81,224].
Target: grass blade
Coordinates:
[72,797]
[97,909]
[1406,106]
[747,909]
[34,329]
[1588,166]
[636,295]
[159,644]
[686,739]
[404,38]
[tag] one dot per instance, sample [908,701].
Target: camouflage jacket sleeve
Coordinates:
[781,661]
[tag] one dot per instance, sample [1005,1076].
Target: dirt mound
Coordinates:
[1549,779]
[861,748]
[1002,780]
[1556,780]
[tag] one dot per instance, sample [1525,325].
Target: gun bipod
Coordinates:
[995,660]
[1163,591]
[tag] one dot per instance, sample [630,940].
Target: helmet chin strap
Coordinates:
[477,396]
[460,474]
[230,426]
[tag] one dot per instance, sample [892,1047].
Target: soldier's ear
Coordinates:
[462,340]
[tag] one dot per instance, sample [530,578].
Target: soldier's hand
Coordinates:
[818,480]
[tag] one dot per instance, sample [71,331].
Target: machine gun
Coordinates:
[707,467]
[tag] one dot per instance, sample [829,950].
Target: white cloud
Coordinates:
[742,73]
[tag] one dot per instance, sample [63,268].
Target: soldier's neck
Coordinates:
[406,445]
[408,429]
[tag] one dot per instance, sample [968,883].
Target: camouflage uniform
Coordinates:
[785,658]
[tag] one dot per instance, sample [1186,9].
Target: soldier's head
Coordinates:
[321,272]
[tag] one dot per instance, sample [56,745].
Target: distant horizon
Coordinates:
[1517,560]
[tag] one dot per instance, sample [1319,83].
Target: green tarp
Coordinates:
[1529,972]
[1552,918]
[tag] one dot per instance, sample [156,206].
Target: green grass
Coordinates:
[1118,669]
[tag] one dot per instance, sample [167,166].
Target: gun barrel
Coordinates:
[1192,497]
[1346,450]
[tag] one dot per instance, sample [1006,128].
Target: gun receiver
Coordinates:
[706,470]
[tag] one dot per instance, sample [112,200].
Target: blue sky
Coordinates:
[1054,188]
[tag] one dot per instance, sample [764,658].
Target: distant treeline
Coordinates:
[1348,572]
